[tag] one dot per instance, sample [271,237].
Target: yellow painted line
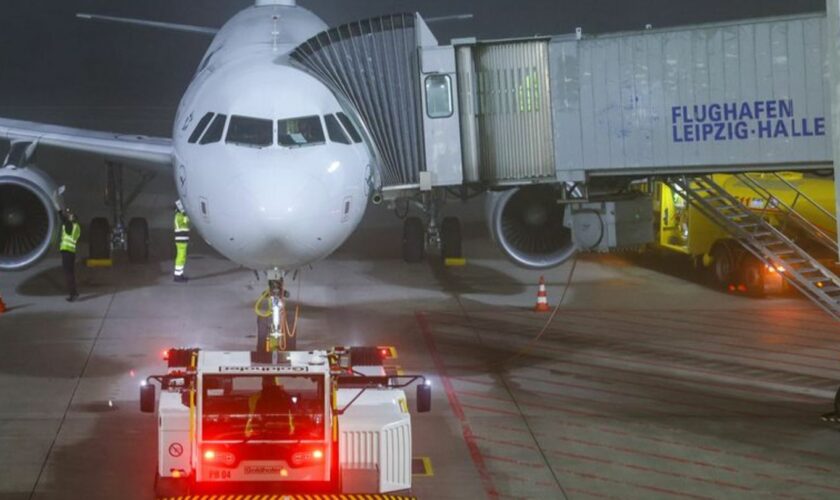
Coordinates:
[99,262]
[428,470]
[453,262]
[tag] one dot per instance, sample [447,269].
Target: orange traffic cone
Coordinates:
[2,305]
[542,298]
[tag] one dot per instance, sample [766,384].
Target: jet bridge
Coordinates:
[565,113]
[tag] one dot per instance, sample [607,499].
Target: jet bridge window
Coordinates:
[304,131]
[215,131]
[335,131]
[199,129]
[439,96]
[349,127]
[253,132]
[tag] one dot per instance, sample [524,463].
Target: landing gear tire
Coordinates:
[752,276]
[98,241]
[170,487]
[138,241]
[263,327]
[414,240]
[450,238]
[723,264]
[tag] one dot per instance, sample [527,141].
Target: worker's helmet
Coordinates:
[179,205]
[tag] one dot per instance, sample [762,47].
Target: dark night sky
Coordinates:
[48,58]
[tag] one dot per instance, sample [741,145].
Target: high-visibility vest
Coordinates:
[69,240]
[182,227]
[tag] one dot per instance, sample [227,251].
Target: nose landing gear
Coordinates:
[274,332]
[420,234]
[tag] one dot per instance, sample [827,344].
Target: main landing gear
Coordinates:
[274,331]
[134,237]
[430,231]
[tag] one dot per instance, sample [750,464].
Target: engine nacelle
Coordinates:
[528,224]
[29,206]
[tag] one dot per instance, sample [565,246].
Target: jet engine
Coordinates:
[528,224]
[29,205]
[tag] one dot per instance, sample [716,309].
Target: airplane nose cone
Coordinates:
[292,214]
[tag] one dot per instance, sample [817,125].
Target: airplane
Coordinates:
[274,169]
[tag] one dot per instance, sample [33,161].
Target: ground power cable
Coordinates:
[498,367]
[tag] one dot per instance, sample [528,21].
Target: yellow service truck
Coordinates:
[682,228]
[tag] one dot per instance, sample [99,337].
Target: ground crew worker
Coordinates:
[70,232]
[182,239]
[273,400]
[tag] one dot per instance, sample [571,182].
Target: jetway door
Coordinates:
[505,99]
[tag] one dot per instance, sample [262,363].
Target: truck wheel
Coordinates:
[138,240]
[98,240]
[170,487]
[450,236]
[722,264]
[751,272]
[414,240]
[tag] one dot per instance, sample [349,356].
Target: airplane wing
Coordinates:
[152,151]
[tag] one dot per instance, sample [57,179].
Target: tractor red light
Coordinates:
[384,352]
[209,455]
[318,454]
[165,354]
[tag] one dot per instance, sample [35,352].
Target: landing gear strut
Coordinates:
[134,237]
[274,333]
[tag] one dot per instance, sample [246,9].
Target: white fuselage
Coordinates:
[268,206]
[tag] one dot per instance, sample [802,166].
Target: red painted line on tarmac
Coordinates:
[660,456]
[716,482]
[490,410]
[652,362]
[507,443]
[529,480]
[750,329]
[712,449]
[647,487]
[798,481]
[515,461]
[588,493]
[771,361]
[455,405]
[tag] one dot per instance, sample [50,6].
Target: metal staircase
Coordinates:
[790,211]
[760,238]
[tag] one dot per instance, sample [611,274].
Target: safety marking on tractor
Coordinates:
[453,262]
[359,496]
[99,263]
[176,449]
[422,466]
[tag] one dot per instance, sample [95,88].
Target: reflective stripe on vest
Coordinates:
[69,240]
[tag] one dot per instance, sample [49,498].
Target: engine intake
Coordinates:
[528,225]
[29,202]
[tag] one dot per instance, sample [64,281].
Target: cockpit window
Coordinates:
[351,129]
[305,131]
[254,132]
[199,129]
[214,132]
[335,131]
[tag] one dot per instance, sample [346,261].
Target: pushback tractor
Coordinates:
[318,422]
